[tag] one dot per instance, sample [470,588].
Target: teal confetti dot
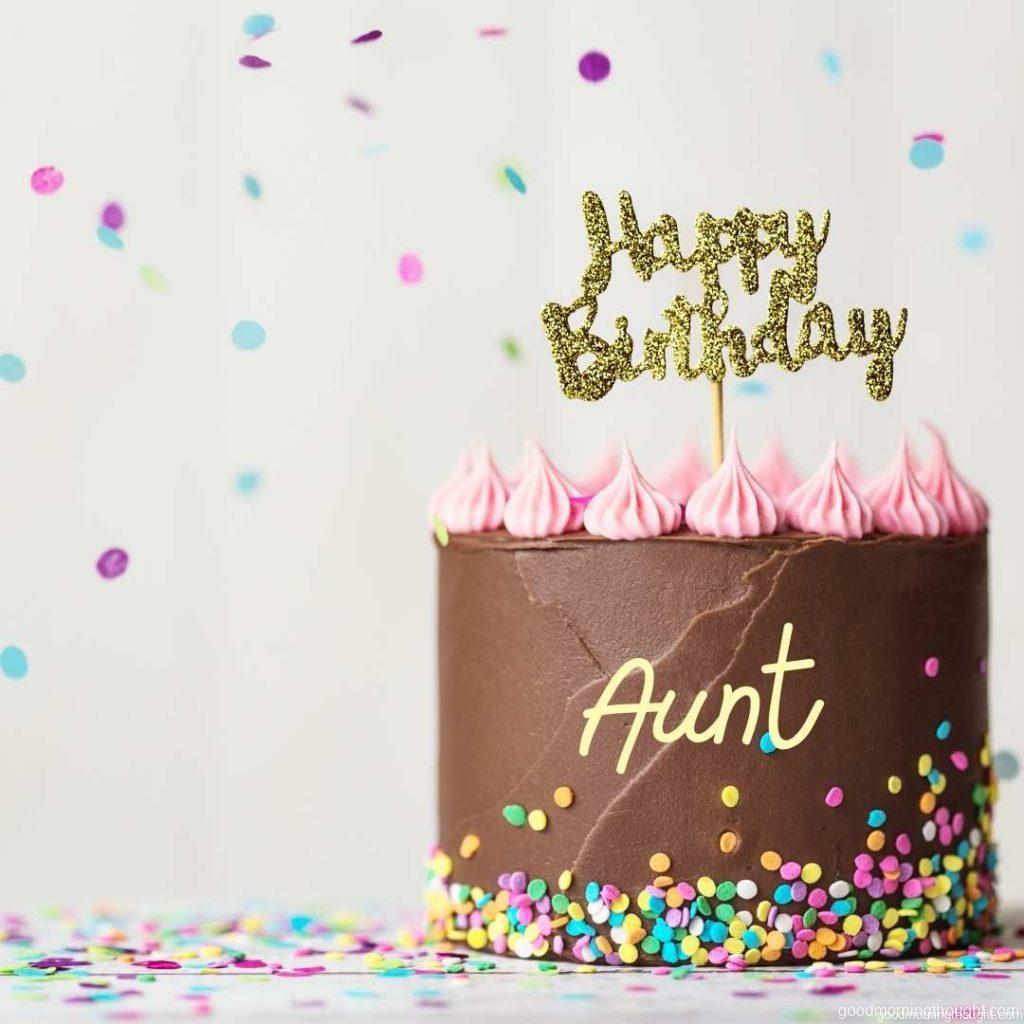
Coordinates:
[831,64]
[515,180]
[942,730]
[876,818]
[767,746]
[258,24]
[755,388]
[248,481]
[252,186]
[926,154]
[973,240]
[1006,764]
[248,335]
[109,237]
[12,369]
[13,662]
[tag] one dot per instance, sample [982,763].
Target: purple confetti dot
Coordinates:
[595,66]
[113,216]
[368,37]
[46,180]
[112,563]
[252,61]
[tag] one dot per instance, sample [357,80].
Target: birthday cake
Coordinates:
[729,717]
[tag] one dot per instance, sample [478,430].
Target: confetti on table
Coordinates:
[248,481]
[973,240]
[927,151]
[1006,764]
[410,268]
[515,179]
[511,349]
[252,186]
[12,369]
[594,66]
[830,62]
[368,37]
[257,25]
[112,563]
[13,662]
[109,237]
[46,180]
[248,335]
[250,60]
[112,215]
[152,278]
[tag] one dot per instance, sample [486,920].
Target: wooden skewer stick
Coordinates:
[717,427]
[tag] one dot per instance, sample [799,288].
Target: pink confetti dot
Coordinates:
[834,797]
[113,216]
[594,66]
[931,667]
[112,563]
[46,180]
[959,759]
[410,268]
[252,61]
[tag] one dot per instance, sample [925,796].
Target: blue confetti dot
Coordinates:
[252,186]
[13,663]
[258,24]
[751,387]
[973,240]
[926,154]
[515,179]
[248,481]
[830,62]
[248,335]
[109,237]
[1006,764]
[12,369]
[767,746]
[876,818]
[942,730]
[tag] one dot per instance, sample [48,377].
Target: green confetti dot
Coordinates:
[515,814]
[511,349]
[537,889]
[152,278]
[441,532]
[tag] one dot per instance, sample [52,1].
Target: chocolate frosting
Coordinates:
[530,632]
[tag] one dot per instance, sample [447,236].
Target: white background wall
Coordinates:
[249,709]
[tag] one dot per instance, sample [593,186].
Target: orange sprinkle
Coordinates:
[770,860]
[564,796]
[727,841]
[469,845]
[660,863]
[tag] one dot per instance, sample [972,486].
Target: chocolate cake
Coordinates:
[720,725]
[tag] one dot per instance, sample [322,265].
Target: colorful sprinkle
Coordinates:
[537,820]
[515,180]
[973,240]
[410,268]
[943,729]
[730,796]
[931,667]
[109,237]
[248,335]
[894,784]
[257,25]
[564,797]
[469,845]
[13,662]
[594,66]
[252,186]
[248,481]
[250,60]
[152,278]
[441,531]
[831,64]
[46,180]
[927,151]
[515,814]
[511,349]
[727,841]
[12,369]
[834,797]
[368,37]
[960,760]
[112,563]
[112,216]
[660,863]
[876,817]
[766,744]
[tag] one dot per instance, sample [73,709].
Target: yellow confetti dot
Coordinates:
[442,865]
[469,845]
[770,860]
[924,764]
[564,796]
[895,783]
[476,938]
[628,952]
[730,796]
[810,874]
[875,840]
[565,880]
[852,924]
[660,863]
[537,820]
[727,841]
[706,886]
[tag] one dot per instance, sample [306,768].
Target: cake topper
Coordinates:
[747,237]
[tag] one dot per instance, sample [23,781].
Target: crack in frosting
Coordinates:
[828,504]
[732,503]
[631,508]
[901,504]
[541,504]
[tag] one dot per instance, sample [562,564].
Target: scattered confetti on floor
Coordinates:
[257,25]
[594,66]
[248,481]
[250,60]
[269,966]
[252,186]
[410,268]
[515,179]
[112,563]
[248,335]
[152,278]
[46,180]
[368,37]
[12,369]
[831,64]
[928,150]
[13,662]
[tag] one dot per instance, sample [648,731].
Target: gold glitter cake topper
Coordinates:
[747,237]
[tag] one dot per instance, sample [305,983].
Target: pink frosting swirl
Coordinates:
[828,504]
[963,505]
[775,472]
[684,476]
[602,473]
[476,502]
[630,508]
[540,505]
[732,503]
[450,482]
[901,504]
